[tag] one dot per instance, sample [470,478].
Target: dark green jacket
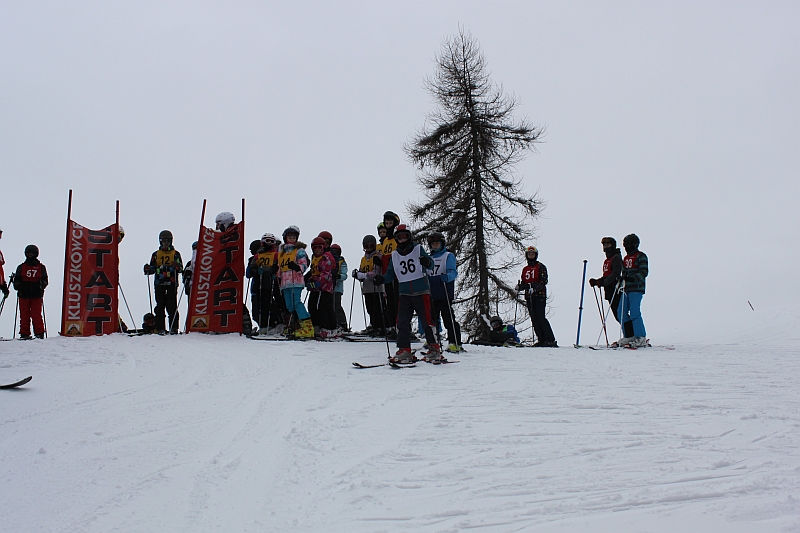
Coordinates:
[634,271]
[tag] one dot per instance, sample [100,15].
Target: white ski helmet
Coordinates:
[291,229]
[121,233]
[268,238]
[225,220]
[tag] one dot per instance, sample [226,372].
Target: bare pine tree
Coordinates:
[466,156]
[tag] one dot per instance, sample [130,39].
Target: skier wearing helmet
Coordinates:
[386,246]
[371,267]
[165,265]
[30,281]
[262,269]
[534,283]
[408,265]
[320,283]
[340,275]
[634,271]
[292,262]
[225,220]
[442,278]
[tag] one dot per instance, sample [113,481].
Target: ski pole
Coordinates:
[580,307]
[352,297]
[364,307]
[2,305]
[175,316]
[385,329]
[456,329]
[15,320]
[602,316]
[150,294]
[44,318]
[126,305]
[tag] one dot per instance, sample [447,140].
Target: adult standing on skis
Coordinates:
[634,271]
[30,281]
[165,265]
[408,266]
[534,283]
[612,270]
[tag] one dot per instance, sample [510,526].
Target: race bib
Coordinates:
[408,267]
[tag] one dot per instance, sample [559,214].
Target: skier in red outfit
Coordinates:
[30,281]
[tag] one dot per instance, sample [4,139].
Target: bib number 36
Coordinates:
[407,266]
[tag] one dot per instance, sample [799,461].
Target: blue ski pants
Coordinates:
[630,309]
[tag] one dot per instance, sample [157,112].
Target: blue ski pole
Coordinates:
[580,307]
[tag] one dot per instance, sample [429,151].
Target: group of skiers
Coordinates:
[398,279]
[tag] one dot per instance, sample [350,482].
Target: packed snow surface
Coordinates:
[198,433]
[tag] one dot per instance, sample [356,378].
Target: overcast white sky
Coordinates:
[679,121]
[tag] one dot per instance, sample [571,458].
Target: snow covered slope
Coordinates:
[200,434]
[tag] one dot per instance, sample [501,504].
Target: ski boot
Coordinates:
[305,330]
[434,354]
[454,348]
[404,356]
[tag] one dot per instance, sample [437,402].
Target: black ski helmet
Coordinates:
[391,215]
[165,235]
[32,249]
[631,241]
[369,240]
[495,321]
[436,236]
[255,246]
[611,241]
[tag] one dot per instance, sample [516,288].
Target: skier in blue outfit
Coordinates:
[634,271]
[442,277]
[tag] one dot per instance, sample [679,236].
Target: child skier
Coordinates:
[292,262]
[534,283]
[263,272]
[634,271]
[371,267]
[319,282]
[386,245]
[408,266]
[30,281]
[502,334]
[612,269]
[165,265]
[442,278]
[338,291]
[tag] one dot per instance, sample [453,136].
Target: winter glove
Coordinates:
[4,289]
[361,276]
[294,266]
[355,273]
[307,277]
[378,280]
[187,276]
[311,286]
[376,260]
[426,262]
[147,270]
[592,282]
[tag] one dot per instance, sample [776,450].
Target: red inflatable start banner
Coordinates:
[91,278]
[217,295]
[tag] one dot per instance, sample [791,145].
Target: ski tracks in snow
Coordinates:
[197,433]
